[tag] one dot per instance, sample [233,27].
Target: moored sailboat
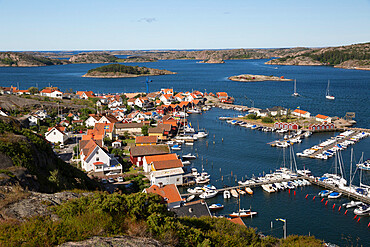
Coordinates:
[328,96]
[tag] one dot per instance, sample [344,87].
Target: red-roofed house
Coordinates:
[147,160]
[167,99]
[322,118]
[85,94]
[56,134]
[301,113]
[167,91]
[169,192]
[50,92]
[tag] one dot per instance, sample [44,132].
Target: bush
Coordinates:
[267,120]
[252,116]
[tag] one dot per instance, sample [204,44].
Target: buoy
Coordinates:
[368,225]
[306,196]
[313,198]
[326,203]
[355,217]
[294,193]
[339,208]
[322,199]
[359,218]
[289,191]
[345,212]
[333,205]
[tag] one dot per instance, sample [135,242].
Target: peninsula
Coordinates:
[249,78]
[122,71]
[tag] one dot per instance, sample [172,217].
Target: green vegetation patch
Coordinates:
[119,68]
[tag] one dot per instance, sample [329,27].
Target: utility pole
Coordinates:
[284,227]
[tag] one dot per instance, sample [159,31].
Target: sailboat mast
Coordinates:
[350,170]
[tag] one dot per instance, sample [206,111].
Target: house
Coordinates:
[41,114]
[301,113]
[33,120]
[51,92]
[167,99]
[92,120]
[131,101]
[94,158]
[131,128]
[222,96]
[56,134]
[103,129]
[167,91]
[146,140]
[149,159]
[153,95]
[322,118]
[85,94]
[166,164]
[162,131]
[277,110]
[138,153]
[117,144]
[167,176]
[169,193]
[192,209]
[262,112]
[107,119]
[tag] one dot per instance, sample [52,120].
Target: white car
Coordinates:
[120,179]
[104,181]
[111,180]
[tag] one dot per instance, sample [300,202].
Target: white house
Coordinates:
[301,113]
[262,113]
[92,120]
[51,93]
[94,158]
[148,160]
[167,99]
[168,176]
[322,118]
[56,135]
[41,114]
[277,110]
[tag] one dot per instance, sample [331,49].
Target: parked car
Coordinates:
[104,181]
[120,179]
[111,180]
[111,173]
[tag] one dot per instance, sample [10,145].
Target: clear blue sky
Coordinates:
[186,24]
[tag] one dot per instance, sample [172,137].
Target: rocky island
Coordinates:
[93,57]
[137,59]
[122,71]
[212,60]
[17,59]
[249,78]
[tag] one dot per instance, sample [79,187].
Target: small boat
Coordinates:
[176,147]
[209,187]
[364,166]
[295,94]
[249,190]
[201,134]
[189,143]
[352,204]
[243,213]
[324,193]
[189,156]
[191,197]
[186,163]
[241,192]
[195,111]
[268,188]
[290,186]
[216,206]
[195,190]
[334,195]
[362,210]
[227,194]
[208,194]
[202,180]
[328,96]
[234,193]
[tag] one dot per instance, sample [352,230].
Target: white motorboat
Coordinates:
[364,165]
[282,144]
[189,156]
[209,187]
[249,190]
[227,194]
[352,204]
[195,111]
[241,192]
[243,213]
[189,143]
[195,190]
[176,147]
[268,188]
[194,171]
[202,180]
[362,210]
[325,193]
[186,163]
[208,194]
[234,193]
[191,197]
[201,134]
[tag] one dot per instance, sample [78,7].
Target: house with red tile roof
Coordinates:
[147,160]
[51,92]
[167,91]
[85,94]
[322,118]
[169,193]
[146,140]
[301,113]
[56,134]
[138,153]
[92,120]
[167,99]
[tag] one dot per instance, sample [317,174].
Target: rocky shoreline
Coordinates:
[152,72]
[251,78]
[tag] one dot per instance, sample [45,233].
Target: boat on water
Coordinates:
[243,213]
[249,190]
[189,156]
[189,143]
[241,192]
[362,210]
[227,194]
[268,188]
[208,194]
[328,96]
[334,195]
[186,162]
[234,193]
[191,197]
[364,165]
[216,206]
[195,190]
[176,147]
[295,94]
[352,204]
[195,111]
[202,180]
[201,134]
[325,193]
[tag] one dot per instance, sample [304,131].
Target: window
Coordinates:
[97,151]
[177,179]
[97,158]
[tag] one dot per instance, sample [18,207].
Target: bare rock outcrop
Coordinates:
[301,60]
[118,241]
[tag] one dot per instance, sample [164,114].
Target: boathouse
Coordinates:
[288,126]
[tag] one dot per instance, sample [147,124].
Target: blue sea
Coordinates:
[244,152]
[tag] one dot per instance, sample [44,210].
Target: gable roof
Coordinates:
[161,157]
[300,111]
[129,125]
[149,150]
[169,192]
[322,116]
[193,209]
[59,128]
[167,164]
[146,139]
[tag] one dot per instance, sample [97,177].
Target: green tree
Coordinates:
[33,90]
[144,130]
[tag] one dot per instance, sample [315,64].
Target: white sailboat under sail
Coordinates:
[328,96]
[295,94]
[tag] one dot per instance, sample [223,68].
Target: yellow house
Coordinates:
[146,140]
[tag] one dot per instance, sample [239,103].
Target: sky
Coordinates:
[46,25]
